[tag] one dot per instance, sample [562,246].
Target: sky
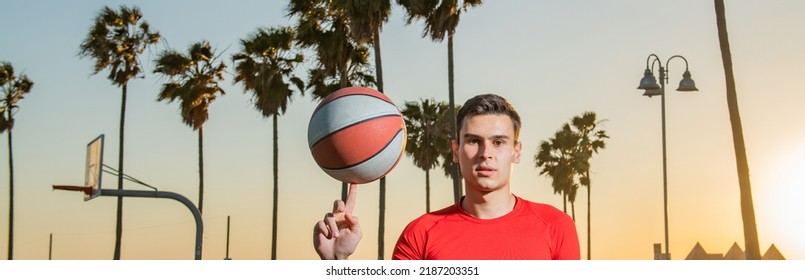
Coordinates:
[552,59]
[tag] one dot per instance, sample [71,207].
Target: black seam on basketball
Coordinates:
[351,125]
[364,94]
[373,156]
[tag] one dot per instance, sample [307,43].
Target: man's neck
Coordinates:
[488,205]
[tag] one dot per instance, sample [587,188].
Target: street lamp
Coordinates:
[649,83]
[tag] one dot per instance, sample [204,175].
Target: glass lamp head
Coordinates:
[687,84]
[648,81]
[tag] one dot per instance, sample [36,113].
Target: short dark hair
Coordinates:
[485,104]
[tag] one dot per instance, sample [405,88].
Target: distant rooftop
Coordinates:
[734,253]
[698,253]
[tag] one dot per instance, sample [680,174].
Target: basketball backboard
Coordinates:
[92,173]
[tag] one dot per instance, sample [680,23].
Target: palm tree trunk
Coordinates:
[344,191]
[573,210]
[119,223]
[378,60]
[276,192]
[747,206]
[452,111]
[589,190]
[564,202]
[200,172]
[344,82]
[10,194]
[200,169]
[381,227]
[427,191]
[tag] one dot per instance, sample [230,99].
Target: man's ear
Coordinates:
[518,150]
[454,146]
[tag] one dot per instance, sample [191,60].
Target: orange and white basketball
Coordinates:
[356,135]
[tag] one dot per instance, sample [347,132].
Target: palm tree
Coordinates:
[427,136]
[341,61]
[441,19]
[193,80]
[12,89]
[556,159]
[366,20]
[747,206]
[591,140]
[447,153]
[265,67]
[115,41]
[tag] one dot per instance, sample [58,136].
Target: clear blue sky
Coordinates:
[553,60]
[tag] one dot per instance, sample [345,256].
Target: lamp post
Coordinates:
[649,83]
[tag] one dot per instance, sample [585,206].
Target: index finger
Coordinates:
[352,196]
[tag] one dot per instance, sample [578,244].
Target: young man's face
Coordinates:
[486,151]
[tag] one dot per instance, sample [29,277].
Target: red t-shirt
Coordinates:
[532,231]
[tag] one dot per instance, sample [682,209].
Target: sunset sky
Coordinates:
[552,59]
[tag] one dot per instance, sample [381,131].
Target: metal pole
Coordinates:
[227,239]
[162,194]
[664,163]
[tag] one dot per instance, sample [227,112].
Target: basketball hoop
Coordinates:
[92,171]
[92,187]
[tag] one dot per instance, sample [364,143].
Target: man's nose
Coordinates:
[485,152]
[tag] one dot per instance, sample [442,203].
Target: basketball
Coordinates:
[356,135]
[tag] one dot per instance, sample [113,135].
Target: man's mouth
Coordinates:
[485,171]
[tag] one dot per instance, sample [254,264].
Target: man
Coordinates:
[489,222]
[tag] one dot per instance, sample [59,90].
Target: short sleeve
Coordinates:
[565,238]
[410,245]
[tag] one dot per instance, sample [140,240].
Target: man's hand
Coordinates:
[337,235]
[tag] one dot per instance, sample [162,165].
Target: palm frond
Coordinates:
[440,17]
[12,89]
[192,80]
[115,41]
[428,140]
